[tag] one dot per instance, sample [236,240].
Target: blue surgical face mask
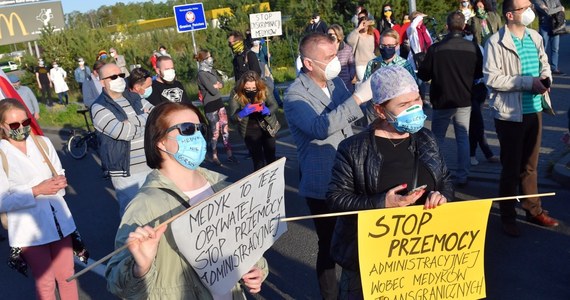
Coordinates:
[147,92]
[410,120]
[191,150]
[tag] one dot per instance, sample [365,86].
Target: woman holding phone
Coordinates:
[382,166]
[253,106]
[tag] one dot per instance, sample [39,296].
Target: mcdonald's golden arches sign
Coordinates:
[22,23]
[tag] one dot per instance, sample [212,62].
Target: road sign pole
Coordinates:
[195,50]
[268,53]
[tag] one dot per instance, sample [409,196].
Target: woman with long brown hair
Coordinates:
[153,267]
[253,106]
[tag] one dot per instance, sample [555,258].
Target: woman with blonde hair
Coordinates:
[466,9]
[254,106]
[39,221]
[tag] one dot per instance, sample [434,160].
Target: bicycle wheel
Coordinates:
[76,146]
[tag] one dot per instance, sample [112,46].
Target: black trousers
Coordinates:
[46,94]
[261,145]
[324,227]
[520,147]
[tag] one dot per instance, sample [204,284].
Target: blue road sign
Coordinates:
[190,17]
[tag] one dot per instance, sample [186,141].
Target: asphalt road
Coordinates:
[534,266]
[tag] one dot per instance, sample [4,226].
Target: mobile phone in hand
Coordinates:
[421,187]
[546,82]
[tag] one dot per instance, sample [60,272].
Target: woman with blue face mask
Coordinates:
[381,167]
[153,268]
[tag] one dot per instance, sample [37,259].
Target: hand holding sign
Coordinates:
[143,245]
[253,280]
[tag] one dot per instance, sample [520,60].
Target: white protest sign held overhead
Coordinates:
[223,237]
[265,24]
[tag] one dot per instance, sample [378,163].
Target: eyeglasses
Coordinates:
[523,8]
[24,123]
[386,10]
[115,76]
[387,46]
[188,129]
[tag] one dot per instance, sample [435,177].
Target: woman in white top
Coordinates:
[39,221]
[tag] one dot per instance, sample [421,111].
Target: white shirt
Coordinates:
[31,220]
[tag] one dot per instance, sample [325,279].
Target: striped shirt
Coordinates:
[530,64]
[397,61]
[131,130]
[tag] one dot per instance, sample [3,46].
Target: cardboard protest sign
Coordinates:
[265,24]
[223,237]
[412,253]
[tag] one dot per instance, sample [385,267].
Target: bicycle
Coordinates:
[78,143]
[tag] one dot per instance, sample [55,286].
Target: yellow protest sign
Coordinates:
[410,253]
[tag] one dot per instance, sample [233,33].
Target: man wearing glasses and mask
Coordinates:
[120,117]
[518,75]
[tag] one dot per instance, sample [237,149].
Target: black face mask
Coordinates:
[387,52]
[251,95]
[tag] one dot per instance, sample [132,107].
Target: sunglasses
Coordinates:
[188,128]
[115,76]
[16,125]
[387,10]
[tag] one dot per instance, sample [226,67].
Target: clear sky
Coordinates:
[86,5]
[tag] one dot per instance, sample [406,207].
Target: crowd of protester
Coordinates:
[153,139]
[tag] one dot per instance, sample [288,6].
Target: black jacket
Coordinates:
[354,185]
[245,61]
[452,65]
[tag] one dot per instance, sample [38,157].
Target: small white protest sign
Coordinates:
[222,238]
[265,24]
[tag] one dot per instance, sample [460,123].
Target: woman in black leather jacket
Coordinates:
[377,168]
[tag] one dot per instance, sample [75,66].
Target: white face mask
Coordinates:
[332,69]
[168,75]
[118,85]
[163,52]
[527,17]
[112,54]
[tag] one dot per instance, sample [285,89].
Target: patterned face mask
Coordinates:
[20,134]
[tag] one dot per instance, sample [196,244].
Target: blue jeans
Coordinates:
[460,117]
[551,45]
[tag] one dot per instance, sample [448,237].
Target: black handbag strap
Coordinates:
[176,196]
